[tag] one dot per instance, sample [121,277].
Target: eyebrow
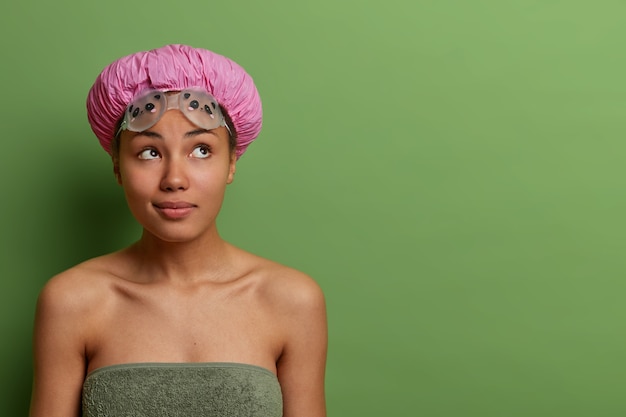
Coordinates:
[190,134]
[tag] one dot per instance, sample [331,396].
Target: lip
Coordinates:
[174,209]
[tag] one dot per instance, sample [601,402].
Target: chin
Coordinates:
[176,234]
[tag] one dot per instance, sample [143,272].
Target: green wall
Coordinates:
[451,172]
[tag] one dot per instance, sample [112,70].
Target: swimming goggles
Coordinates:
[200,107]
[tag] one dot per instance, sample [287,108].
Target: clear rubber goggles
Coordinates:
[200,107]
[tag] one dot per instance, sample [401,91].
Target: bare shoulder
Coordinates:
[77,290]
[67,309]
[288,289]
[298,307]
[298,310]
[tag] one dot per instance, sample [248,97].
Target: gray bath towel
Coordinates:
[182,390]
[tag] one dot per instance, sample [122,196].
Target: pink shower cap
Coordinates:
[174,67]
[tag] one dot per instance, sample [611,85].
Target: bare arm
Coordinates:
[301,367]
[59,352]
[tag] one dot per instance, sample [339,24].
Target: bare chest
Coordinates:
[201,326]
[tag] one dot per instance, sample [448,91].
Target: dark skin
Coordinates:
[181,293]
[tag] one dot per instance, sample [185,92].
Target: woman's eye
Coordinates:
[201,151]
[148,154]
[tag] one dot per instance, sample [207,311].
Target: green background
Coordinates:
[451,172]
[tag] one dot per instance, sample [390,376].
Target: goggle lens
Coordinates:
[198,106]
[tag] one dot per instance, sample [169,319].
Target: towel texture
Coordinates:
[182,390]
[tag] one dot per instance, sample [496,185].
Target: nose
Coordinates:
[174,177]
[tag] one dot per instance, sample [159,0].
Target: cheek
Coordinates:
[136,185]
[207,185]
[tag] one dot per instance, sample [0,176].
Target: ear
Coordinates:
[232,167]
[116,171]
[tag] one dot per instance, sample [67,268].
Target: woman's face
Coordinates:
[174,176]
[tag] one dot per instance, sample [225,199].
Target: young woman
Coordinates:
[181,323]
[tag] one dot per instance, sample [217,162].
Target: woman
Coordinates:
[181,323]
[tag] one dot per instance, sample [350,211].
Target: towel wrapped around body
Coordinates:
[181,390]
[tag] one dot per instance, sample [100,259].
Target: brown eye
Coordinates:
[201,151]
[149,154]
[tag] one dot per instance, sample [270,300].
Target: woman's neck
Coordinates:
[203,259]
